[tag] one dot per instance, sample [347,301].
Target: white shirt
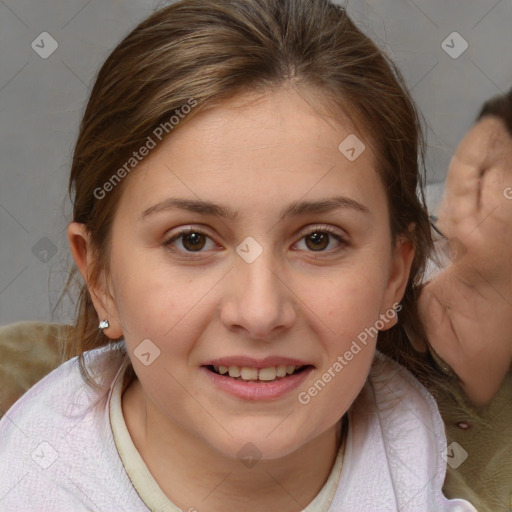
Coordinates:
[65,447]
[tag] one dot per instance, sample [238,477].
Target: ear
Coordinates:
[401,262]
[103,300]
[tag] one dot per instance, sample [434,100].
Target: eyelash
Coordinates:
[343,243]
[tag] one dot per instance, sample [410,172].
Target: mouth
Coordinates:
[267,374]
[251,379]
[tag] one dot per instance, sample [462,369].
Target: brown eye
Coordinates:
[325,240]
[193,241]
[317,241]
[190,240]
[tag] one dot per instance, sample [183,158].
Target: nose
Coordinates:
[258,300]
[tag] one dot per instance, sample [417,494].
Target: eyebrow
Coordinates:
[294,209]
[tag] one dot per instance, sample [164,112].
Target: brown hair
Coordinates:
[213,50]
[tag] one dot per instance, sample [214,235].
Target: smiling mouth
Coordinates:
[246,374]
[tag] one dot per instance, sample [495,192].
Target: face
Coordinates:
[248,241]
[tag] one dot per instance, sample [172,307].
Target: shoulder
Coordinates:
[62,395]
[57,447]
[396,446]
[394,384]
[397,408]
[392,391]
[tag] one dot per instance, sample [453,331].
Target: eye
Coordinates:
[193,240]
[318,240]
[190,240]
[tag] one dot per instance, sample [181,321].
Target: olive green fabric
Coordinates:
[28,351]
[484,478]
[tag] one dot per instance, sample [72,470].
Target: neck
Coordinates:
[194,476]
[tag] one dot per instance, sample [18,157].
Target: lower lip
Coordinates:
[258,390]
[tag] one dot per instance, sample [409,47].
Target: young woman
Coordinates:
[246,221]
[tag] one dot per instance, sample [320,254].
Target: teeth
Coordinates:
[234,371]
[249,373]
[281,370]
[264,374]
[267,373]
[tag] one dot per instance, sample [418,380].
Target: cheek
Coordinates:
[352,308]
[352,300]
[145,300]
[157,302]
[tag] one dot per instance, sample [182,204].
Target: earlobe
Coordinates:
[81,249]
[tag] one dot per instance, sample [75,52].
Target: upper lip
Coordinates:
[250,362]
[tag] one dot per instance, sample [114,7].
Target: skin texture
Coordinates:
[467,308]
[255,155]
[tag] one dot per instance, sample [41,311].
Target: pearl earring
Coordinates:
[104,325]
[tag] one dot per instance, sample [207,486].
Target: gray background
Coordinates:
[41,101]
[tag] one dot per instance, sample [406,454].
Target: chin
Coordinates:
[258,444]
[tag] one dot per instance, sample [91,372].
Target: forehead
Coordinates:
[260,123]
[277,146]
